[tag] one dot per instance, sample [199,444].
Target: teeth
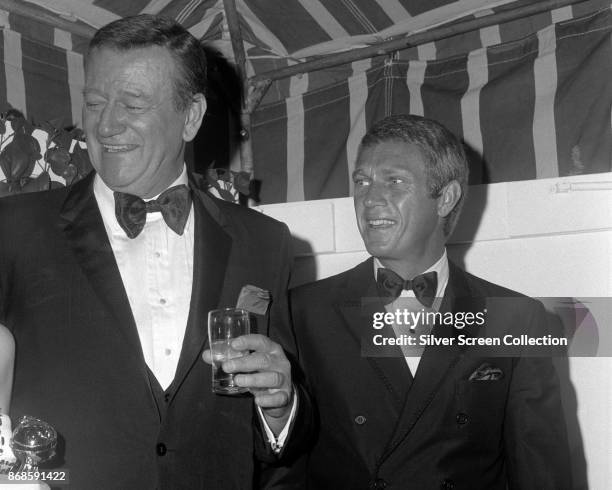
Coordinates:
[116,148]
[379,222]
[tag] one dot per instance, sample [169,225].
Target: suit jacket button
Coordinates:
[360,420]
[462,418]
[447,485]
[378,484]
[161,449]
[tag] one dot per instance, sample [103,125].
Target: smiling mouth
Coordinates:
[380,223]
[117,148]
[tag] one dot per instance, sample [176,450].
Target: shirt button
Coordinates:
[161,449]
[162,301]
[167,351]
[158,254]
[360,420]
[378,484]
[462,418]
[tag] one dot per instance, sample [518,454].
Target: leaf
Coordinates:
[226,195]
[18,158]
[13,114]
[211,178]
[17,124]
[70,174]
[77,134]
[21,125]
[40,183]
[4,189]
[28,128]
[63,139]
[242,182]
[2,127]
[223,175]
[58,158]
[49,128]
[80,159]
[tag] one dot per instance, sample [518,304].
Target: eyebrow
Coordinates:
[395,170]
[87,91]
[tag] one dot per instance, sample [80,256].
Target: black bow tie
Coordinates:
[174,204]
[390,286]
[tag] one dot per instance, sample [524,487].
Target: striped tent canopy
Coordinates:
[530,97]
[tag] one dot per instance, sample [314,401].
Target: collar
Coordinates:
[440,267]
[106,202]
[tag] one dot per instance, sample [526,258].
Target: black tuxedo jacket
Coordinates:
[79,362]
[442,431]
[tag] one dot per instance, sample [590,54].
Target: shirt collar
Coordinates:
[440,267]
[106,201]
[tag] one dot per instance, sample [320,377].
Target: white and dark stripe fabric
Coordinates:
[531,98]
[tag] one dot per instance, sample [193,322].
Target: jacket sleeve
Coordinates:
[281,331]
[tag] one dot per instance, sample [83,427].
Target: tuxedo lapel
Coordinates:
[435,364]
[357,302]
[212,246]
[84,230]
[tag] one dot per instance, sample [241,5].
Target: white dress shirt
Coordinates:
[441,268]
[156,268]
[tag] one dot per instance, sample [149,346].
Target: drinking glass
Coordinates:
[224,325]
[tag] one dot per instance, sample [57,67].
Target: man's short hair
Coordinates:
[443,152]
[142,31]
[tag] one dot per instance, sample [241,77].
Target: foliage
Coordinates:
[229,185]
[21,153]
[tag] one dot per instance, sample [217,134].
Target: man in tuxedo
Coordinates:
[106,287]
[424,416]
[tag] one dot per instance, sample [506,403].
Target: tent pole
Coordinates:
[382,48]
[20,8]
[246,146]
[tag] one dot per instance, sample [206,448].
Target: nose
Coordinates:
[111,121]
[375,195]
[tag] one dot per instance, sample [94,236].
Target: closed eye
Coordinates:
[134,108]
[93,105]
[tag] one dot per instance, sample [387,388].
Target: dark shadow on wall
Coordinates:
[472,212]
[211,147]
[581,328]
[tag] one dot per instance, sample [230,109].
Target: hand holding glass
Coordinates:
[225,325]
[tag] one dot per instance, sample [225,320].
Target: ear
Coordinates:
[194,116]
[451,193]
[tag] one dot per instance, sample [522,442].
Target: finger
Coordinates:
[207,356]
[272,400]
[255,342]
[256,361]
[266,380]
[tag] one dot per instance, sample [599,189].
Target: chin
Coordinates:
[378,251]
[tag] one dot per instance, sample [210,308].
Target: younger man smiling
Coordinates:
[442,418]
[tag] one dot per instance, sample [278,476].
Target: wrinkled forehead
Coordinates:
[139,72]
